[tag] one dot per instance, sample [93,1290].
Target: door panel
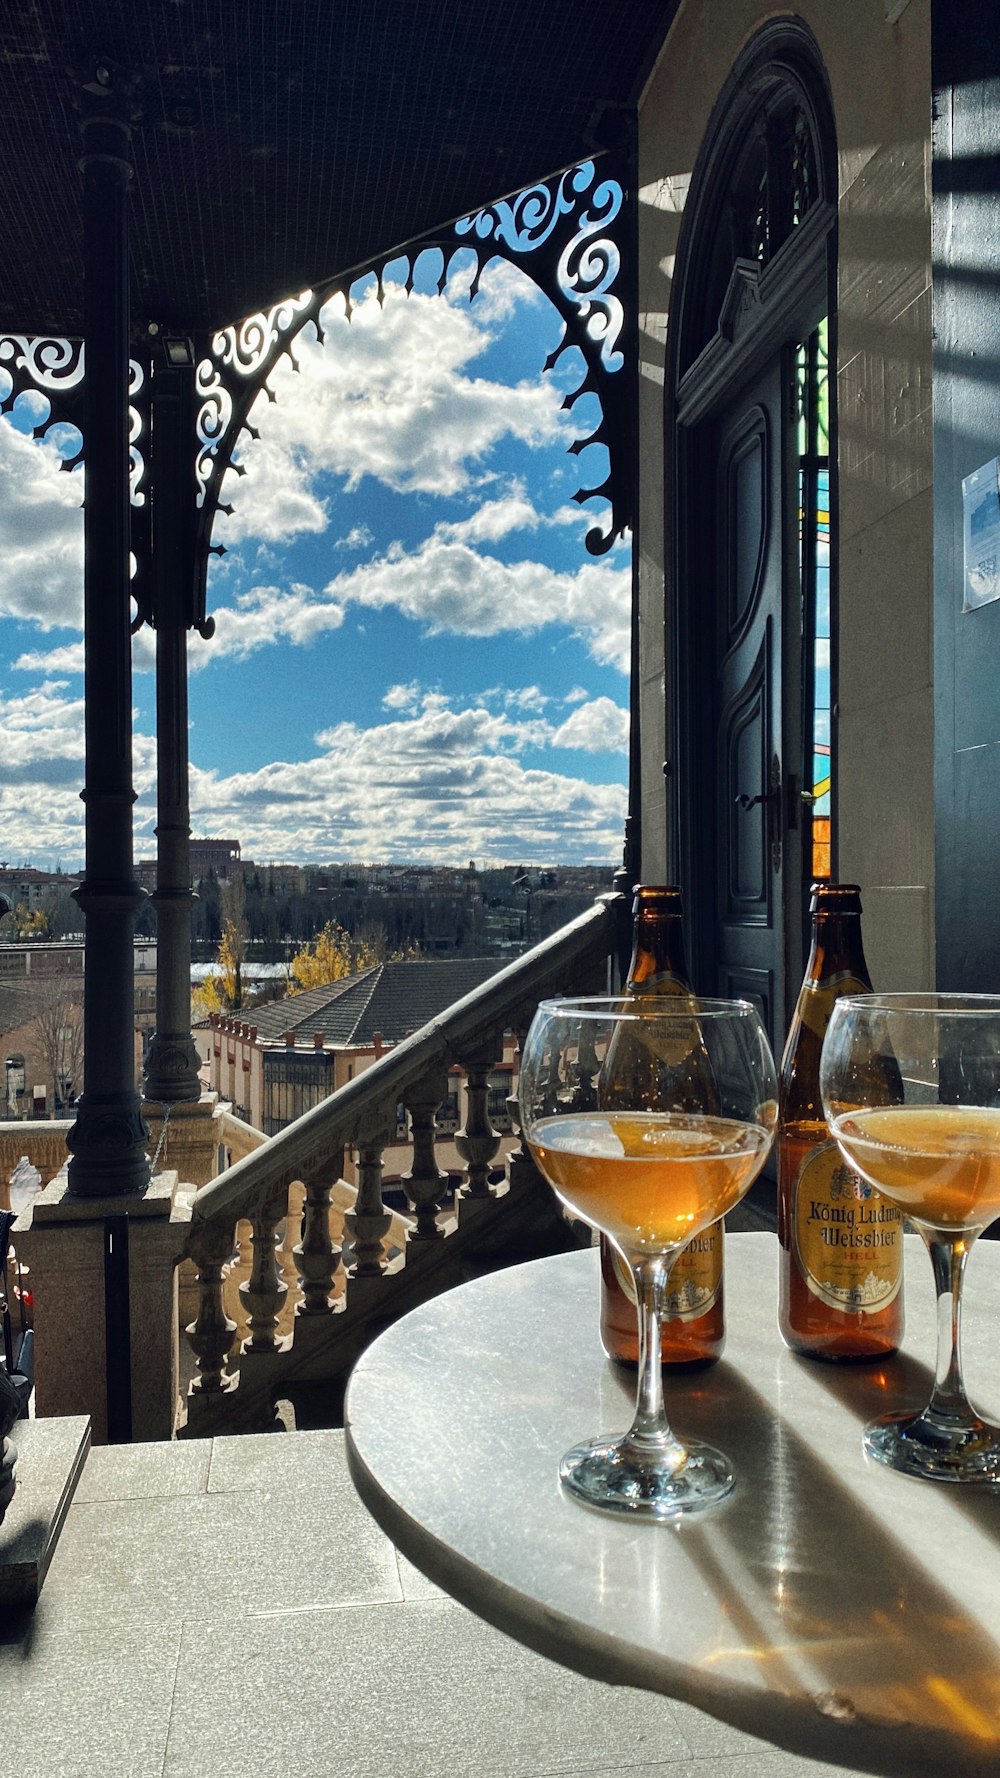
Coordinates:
[756,688]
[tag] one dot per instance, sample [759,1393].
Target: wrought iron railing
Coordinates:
[346,1292]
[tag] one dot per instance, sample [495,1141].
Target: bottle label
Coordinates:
[695,1276]
[817,999]
[848,1238]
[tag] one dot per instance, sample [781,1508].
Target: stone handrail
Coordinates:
[344,1292]
[43,1141]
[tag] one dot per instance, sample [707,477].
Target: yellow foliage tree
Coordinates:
[208,998]
[326,958]
[333,953]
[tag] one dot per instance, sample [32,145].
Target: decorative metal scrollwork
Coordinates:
[50,367]
[565,234]
[586,268]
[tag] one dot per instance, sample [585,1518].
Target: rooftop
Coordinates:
[392,999]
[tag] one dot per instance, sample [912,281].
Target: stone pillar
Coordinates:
[108,1139]
[65,1244]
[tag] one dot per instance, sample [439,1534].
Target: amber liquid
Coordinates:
[690,1339]
[939,1163]
[808,1324]
[651,1180]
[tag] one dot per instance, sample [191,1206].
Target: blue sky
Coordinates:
[415,657]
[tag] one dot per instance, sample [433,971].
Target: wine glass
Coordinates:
[649,1117]
[911,1090]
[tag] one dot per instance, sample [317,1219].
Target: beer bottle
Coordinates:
[692,1328]
[840,1241]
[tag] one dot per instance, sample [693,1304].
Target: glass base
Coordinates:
[934,1449]
[611,1475]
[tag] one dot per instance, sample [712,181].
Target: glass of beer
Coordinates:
[650,1118]
[932,1146]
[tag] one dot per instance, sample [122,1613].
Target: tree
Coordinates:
[60,1036]
[33,925]
[233,943]
[326,958]
[223,992]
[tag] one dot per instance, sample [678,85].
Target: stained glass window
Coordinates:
[813,391]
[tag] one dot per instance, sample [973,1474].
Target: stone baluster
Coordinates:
[519,1165]
[210,1245]
[478,1142]
[316,1257]
[425,1184]
[263,1294]
[585,1091]
[369,1222]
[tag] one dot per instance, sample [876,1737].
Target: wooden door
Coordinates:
[756,694]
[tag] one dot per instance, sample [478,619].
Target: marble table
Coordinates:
[829,1606]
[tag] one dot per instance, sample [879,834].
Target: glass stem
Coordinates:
[949,1403]
[650,1435]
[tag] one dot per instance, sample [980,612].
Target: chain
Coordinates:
[163,1137]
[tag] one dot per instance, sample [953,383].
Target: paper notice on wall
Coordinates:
[981,510]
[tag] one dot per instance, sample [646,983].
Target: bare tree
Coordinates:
[60,1036]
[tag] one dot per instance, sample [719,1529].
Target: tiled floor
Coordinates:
[228,1607]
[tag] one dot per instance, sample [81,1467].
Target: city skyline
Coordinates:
[415,659]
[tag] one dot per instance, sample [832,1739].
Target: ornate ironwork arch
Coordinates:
[567,234]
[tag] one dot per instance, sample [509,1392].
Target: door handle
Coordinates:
[771,799]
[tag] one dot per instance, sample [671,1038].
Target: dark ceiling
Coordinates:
[280,143]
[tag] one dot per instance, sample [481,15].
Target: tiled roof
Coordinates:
[24,999]
[392,999]
[303,1013]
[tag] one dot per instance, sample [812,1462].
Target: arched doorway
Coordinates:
[748,414]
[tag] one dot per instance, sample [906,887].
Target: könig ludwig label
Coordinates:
[695,1276]
[848,1238]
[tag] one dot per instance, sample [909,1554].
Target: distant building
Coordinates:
[30,888]
[287,1056]
[219,858]
[41,992]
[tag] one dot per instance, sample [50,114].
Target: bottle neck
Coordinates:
[658,953]
[836,950]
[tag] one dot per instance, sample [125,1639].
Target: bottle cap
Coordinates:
[835,898]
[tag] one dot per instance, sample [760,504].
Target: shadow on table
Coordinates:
[832,1609]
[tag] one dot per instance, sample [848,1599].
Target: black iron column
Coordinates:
[171,1074]
[627,470]
[108,1139]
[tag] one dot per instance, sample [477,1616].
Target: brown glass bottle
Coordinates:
[694,1334]
[840,1242]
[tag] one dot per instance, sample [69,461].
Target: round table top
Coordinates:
[829,1605]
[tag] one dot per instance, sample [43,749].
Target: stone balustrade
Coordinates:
[354,1265]
[285,1267]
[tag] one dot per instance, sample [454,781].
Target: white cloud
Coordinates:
[68,659]
[402,697]
[260,618]
[444,586]
[491,521]
[392,395]
[601,726]
[450,587]
[358,537]
[436,784]
[528,697]
[41,533]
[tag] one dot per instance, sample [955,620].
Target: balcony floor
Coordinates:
[230,1600]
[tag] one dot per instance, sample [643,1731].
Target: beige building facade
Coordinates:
[865,72]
